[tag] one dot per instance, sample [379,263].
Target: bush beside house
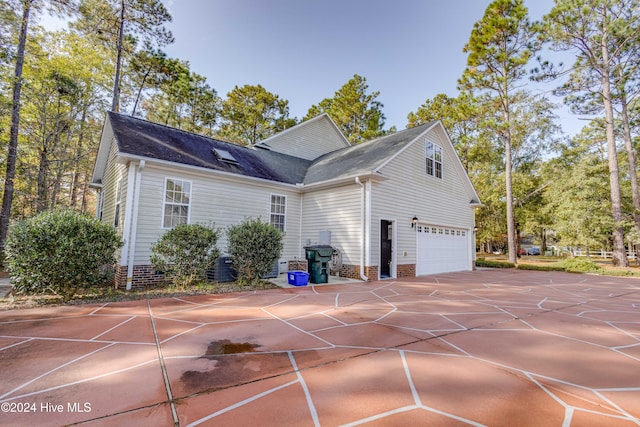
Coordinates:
[254,246]
[60,252]
[186,252]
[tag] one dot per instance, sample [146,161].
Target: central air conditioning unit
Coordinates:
[222,271]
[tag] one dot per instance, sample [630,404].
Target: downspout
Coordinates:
[128,208]
[134,225]
[363,228]
[301,226]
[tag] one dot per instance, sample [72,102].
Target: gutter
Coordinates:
[363,228]
[125,157]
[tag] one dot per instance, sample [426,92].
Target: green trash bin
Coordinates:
[318,258]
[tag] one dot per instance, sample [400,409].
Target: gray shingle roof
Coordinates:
[139,137]
[362,158]
[142,138]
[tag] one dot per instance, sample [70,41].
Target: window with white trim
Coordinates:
[433,154]
[177,202]
[116,214]
[278,211]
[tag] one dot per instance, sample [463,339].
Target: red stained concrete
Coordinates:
[494,347]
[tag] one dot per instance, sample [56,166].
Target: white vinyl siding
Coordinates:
[336,210]
[115,174]
[177,202]
[308,140]
[214,201]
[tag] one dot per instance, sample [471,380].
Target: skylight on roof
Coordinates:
[224,155]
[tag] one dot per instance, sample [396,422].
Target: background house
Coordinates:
[400,205]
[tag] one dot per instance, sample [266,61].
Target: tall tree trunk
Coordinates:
[144,79]
[619,250]
[76,160]
[115,103]
[631,156]
[43,170]
[85,188]
[7,197]
[512,240]
[511,223]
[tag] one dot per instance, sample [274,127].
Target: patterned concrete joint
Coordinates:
[476,348]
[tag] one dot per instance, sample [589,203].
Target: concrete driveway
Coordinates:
[496,347]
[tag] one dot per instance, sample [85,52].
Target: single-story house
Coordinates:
[400,205]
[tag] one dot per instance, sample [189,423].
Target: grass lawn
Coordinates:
[541,260]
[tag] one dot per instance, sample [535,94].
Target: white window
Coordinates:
[434,159]
[177,199]
[116,214]
[278,211]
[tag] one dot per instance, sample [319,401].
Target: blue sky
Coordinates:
[304,51]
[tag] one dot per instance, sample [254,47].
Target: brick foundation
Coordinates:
[143,276]
[350,271]
[406,270]
[120,276]
[297,265]
[353,271]
[146,276]
[371,272]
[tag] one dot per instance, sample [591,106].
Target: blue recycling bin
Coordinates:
[298,278]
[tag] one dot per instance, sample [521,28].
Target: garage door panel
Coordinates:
[441,250]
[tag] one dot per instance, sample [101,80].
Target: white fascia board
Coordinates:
[373,177]
[106,139]
[125,158]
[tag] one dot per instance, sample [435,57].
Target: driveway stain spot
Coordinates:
[235,363]
[217,348]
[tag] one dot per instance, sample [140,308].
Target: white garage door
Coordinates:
[442,249]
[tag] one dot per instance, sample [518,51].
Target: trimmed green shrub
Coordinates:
[480,262]
[581,265]
[541,267]
[253,246]
[185,252]
[60,252]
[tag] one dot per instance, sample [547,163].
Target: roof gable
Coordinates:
[435,132]
[307,140]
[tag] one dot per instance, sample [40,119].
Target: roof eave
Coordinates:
[126,157]
[350,179]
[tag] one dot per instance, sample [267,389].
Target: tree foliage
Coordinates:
[183,99]
[499,49]
[601,33]
[26,9]
[577,196]
[251,113]
[119,23]
[357,114]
